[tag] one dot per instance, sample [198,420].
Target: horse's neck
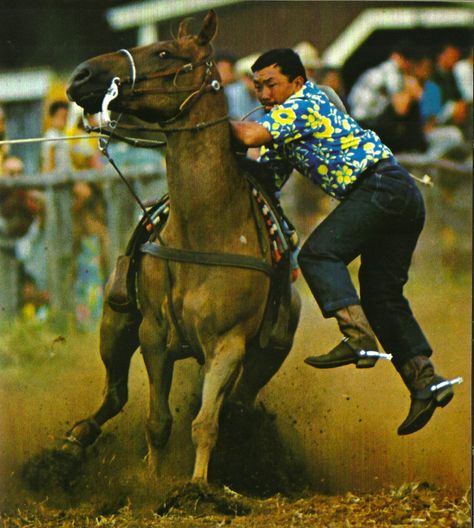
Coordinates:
[205,185]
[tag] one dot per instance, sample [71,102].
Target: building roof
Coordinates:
[151,11]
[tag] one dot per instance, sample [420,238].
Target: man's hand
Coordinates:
[250,134]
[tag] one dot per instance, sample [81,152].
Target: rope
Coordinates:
[42,140]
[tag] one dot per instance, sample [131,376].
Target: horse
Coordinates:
[217,308]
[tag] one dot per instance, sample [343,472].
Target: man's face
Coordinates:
[273,87]
[59,120]
[448,58]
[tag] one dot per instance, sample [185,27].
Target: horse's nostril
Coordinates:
[81,76]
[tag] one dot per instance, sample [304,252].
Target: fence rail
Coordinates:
[448,203]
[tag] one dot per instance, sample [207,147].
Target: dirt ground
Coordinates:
[338,429]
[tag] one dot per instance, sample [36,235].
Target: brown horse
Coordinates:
[219,309]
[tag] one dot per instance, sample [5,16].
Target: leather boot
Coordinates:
[358,339]
[419,376]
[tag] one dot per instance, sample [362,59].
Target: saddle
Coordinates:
[121,296]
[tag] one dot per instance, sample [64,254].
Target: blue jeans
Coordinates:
[380,220]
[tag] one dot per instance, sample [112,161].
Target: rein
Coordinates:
[171,253]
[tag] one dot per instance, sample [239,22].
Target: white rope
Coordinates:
[43,139]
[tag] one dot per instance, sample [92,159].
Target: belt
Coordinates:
[381,164]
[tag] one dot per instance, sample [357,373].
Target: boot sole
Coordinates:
[441,399]
[360,363]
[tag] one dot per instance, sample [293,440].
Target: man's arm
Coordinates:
[250,134]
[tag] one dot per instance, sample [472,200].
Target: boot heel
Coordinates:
[444,396]
[366,362]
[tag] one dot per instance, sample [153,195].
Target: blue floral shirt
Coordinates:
[324,144]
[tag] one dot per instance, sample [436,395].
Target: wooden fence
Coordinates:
[122,215]
[447,238]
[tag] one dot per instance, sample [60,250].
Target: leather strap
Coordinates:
[210,259]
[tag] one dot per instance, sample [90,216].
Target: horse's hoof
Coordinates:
[198,498]
[83,433]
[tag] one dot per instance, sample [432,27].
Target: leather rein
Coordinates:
[161,251]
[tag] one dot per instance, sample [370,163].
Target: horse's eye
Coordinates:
[163,54]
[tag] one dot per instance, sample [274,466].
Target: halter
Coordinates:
[206,85]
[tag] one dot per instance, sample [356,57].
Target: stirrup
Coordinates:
[440,391]
[368,358]
[374,354]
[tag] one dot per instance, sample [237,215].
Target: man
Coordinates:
[455,109]
[385,99]
[380,217]
[240,94]
[225,63]
[56,154]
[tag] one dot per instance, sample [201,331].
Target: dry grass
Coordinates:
[410,505]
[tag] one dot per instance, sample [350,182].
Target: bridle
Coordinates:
[208,84]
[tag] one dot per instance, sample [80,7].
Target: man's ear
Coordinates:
[298,82]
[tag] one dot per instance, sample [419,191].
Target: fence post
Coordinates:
[58,238]
[9,280]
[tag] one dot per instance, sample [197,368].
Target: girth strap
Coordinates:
[210,259]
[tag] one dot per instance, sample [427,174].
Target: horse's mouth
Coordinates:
[91,101]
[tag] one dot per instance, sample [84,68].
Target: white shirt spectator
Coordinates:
[62,157]
[462,71]
[372,92]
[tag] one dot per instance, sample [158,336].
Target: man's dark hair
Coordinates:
[289,62]
[55,106]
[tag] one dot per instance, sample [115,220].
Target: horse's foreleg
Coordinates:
[159,367]
[222,372]
[118,342]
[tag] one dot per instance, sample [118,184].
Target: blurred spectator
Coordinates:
[454,109]
[31,253]
[386,99]
[462,71]
[3,135]
[331,76]
[225,63]
[16,207]
[90,253]
[443,75]
[442,139]
[241,98]
[22,212]
[56,154]
[84,152]
[464,75]
[310,58]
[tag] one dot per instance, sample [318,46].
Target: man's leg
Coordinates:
[323,260]
[383,274]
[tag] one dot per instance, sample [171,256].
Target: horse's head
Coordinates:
[155,82]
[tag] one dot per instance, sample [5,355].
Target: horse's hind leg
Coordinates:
[222,372]
[118,342]
[262,364]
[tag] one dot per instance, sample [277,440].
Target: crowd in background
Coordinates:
[416,100]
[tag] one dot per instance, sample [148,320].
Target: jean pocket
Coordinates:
[392,195]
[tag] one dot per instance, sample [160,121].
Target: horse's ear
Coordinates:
[183,28]
[209,28]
